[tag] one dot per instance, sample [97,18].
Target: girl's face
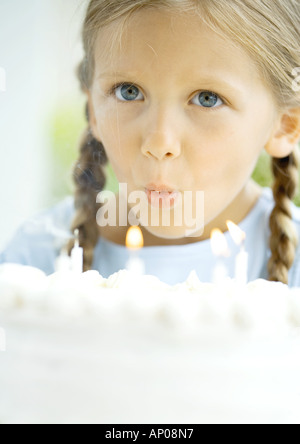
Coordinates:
[179,105]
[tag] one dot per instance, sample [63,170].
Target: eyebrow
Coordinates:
[206,79]
[116,73]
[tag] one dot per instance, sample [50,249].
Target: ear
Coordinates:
[92,117]
[286,134]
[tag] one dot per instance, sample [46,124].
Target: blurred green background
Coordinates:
[66,128]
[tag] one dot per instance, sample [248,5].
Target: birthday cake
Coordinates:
[78,348]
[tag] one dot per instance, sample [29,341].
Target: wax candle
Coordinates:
[241,261]
[220,250]
[134,242]
[77,255]
[63,262]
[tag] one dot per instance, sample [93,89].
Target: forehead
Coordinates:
[159,42]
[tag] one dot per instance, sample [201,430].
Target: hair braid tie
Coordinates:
[284,238]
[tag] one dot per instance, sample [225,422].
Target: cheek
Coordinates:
[214,155]
[229,148]
[222,163]
[117,140]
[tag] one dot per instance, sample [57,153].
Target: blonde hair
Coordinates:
[269,31]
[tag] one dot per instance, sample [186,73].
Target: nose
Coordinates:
[162,140]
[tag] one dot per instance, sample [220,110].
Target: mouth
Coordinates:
[161,196]
[160,188]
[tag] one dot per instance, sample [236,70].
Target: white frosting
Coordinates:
[265,305]
[127,356]
[261,305]
[20,285]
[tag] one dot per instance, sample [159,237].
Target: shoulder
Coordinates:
[296,214]
[39,239]
[267,202]
[294,278]
[294,273]
[54,221]
[261,232]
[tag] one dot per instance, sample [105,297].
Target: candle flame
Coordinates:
[134,238]
[218,243]
[236,233]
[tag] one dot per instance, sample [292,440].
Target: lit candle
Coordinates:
[63,262]
[241,262]
[134,242]
[77,255]
[220,249]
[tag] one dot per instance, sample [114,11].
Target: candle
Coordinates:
[63,262]
[241,262]
[220,249]
[134,242]
[77,255]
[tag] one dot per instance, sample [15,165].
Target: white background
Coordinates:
[40,47]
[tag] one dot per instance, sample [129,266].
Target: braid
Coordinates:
[89,179]
[284,239]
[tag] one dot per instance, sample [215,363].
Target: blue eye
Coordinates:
[208,99]
[126,92]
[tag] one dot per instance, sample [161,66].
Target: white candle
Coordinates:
[135,264]
[134,242]
[220,249]
[77,255]
[220,272]
[241,267]
[63,262]
[241,261]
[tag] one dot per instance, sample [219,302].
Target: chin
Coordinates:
[166,224]
[174,233]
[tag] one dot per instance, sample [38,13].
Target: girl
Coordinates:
[184,96]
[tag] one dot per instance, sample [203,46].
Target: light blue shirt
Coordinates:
[38,243]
